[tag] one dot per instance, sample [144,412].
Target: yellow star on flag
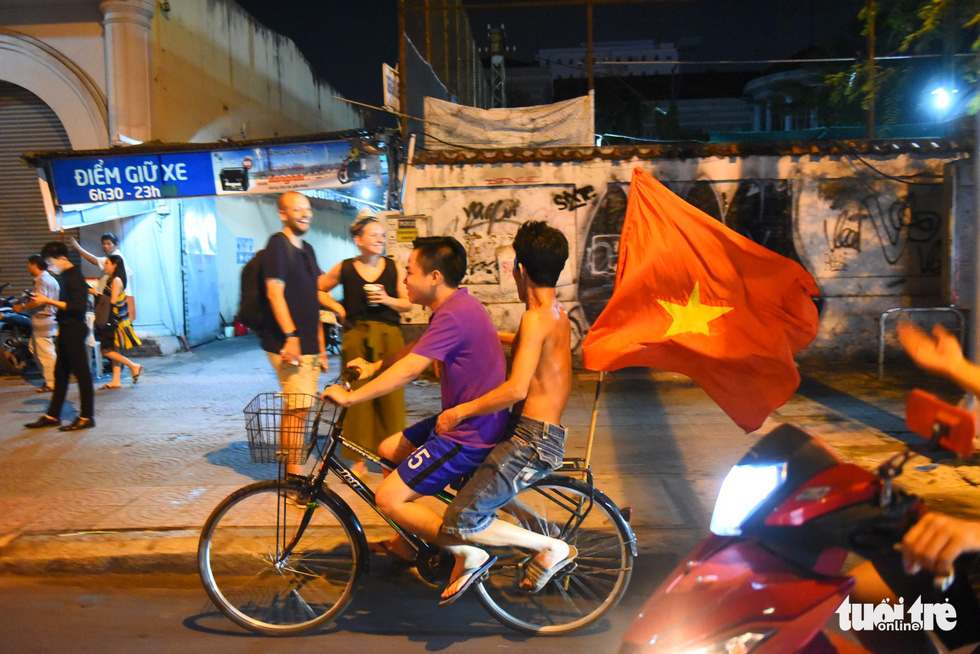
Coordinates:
[693,316]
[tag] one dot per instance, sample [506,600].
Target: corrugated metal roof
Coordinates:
[39,158]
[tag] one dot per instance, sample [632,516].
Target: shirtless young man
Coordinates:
[533,445]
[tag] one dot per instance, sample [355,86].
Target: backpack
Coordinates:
[254,309]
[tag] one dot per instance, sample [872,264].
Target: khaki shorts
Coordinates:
[303,378]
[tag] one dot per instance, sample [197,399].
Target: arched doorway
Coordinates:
[26,124]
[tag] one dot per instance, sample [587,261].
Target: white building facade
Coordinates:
[630,55]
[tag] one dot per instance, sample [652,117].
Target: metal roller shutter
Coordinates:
[26,124]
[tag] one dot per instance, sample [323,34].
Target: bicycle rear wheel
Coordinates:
[582,593]
[241,562]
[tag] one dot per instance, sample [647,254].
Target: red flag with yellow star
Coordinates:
[694,297]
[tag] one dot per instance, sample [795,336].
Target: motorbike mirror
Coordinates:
[945,425]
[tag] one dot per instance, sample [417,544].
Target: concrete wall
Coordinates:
[871,242]
[215,69]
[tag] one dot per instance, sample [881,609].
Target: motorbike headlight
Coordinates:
[744,489]
[740,644]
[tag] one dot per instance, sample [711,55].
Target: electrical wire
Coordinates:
[867,163]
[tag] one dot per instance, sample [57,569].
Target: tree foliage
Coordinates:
[942,28]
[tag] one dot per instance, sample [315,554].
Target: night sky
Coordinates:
[347,40]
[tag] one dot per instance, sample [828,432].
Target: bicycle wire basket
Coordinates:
[280,426]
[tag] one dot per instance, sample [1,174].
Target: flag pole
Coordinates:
[595,413]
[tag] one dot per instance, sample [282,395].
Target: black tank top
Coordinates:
[355,301]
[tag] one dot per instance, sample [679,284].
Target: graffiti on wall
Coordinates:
[486,219]
[758,209]
[875,220]
[872,241]
[574,199]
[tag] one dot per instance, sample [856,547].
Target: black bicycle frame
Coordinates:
[329,462]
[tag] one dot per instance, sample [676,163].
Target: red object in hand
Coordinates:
[240,328]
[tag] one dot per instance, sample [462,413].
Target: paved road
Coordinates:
[130,496]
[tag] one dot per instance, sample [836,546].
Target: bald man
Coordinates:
[294,342]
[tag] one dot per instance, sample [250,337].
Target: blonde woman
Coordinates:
[374,296]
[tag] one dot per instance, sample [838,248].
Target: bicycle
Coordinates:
[276,568]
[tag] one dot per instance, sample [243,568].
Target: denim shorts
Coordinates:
[531,450]
[438,461]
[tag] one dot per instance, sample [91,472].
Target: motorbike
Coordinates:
[771,576]
[15,336]
[350,170]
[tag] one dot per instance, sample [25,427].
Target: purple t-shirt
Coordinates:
[462,337]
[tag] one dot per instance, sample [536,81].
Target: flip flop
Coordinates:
[476,574]
[106,387]
[136,375]
[540,575]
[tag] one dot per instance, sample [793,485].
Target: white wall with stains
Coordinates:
[869,228]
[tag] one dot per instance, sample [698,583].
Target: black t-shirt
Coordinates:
[355,301]
[73,291]
[298,269]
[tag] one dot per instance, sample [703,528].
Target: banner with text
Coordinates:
[272,169]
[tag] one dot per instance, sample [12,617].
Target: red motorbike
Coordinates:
[770,577]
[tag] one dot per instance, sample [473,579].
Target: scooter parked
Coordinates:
[769,579]
[15,336]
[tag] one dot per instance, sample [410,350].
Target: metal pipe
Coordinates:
[595,413]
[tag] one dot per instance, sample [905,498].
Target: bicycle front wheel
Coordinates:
[252,580]
[564,508]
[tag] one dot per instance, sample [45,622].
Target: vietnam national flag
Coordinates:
[694,297]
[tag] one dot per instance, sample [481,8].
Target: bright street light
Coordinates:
[943,98]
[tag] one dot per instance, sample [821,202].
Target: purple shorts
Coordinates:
[438,461]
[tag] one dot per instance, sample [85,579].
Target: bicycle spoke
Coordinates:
[580,583]
[263,591]
[299,598]
[589,588]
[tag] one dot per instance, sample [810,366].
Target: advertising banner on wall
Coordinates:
[266,169]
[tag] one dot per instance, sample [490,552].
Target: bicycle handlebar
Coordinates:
[348,375]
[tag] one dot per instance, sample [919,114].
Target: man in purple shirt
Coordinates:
[462,337]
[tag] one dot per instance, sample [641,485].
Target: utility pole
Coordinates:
[402,71]
[873,9]
[498,68]
[590,53]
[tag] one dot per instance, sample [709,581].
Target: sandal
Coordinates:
[539,576]
[106,387]
[476,574]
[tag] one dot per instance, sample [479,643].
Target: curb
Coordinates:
[121,552]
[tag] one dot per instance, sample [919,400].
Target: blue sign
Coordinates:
[107,179]
[270,169]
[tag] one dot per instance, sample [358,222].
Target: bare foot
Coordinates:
[359,468]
